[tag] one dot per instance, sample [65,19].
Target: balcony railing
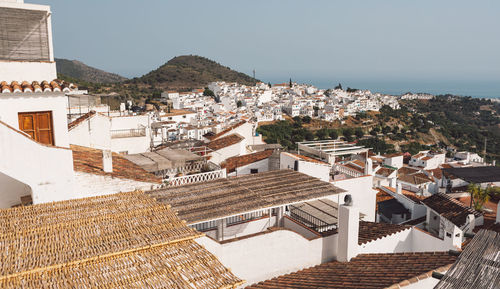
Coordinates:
[124,133]
[197,178]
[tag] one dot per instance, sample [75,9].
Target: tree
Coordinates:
[239,103]
[321,133]
[481,196]
[269,84]
[348,132]
[208,92]
[339,86]
[291,84]
[333,134]
[316,109]
[306,119]
[386,129]
[359,133]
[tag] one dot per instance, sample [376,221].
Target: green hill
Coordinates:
[188,72]
[80,71]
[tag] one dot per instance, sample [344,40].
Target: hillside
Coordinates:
[188,72]
[78,70]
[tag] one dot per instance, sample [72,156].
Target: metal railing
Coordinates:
[124,133]
[309,220]
[245,218]
[206,226]
[345,170]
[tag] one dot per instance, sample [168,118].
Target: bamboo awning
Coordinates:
[227,197]
[125,240]
[478,266]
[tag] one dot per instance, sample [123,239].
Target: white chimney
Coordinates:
[107,161]
[368,166]
[498,213]
[392,182]
[348,225]
[471,220]
[399,189]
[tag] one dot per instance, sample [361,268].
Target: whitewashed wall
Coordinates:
[262,166]
[13,103]
[230,151]
[363,195]
[47,170]
[89,185]
[272,254]
[131,145]
[317,170]
[94,132]
[11,191]
[27,71]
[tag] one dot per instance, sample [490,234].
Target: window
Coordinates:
[38,125]
[254,171]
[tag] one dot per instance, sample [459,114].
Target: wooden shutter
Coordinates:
[38,125]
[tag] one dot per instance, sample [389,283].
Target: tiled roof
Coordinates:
[385,172]
[370,231]
[416,180]
[175,112]
[227,197]
[216,136]
[437,173]
[89,160]
[55,85]
[451,209]
[393,155]
[411,195]
[406,171]
[224,142]
[232,163]
[125,240]
[81,119]
[365,271]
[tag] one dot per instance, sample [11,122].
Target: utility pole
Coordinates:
[484,153]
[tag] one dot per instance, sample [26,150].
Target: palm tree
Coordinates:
[479,196]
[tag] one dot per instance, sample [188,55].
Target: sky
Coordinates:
[384,45]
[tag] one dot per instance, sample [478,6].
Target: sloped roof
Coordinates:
[211,200]
[411,195]
[476,174]
[305,158]
[407,171]
[371,231]
[224,142]
[385,172]
[238,161]
[413,179]
[477,266]
[89,160]
[451,209]
[364,271]
[212,136]
[123,240]
[81,119]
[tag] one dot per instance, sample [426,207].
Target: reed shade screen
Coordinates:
[478,266]
[125,240]
[24,35]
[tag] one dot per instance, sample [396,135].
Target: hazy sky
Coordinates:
[425,43]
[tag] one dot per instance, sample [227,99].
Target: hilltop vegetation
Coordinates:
[181,73]
[81,72]
[188,72]
[446,122]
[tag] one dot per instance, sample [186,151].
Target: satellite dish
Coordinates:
[348,200]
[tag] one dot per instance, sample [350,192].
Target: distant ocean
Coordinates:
[473,89]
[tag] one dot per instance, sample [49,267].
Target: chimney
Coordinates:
[471,220]
[399,189]
[107,161]
[348,225]
[368,166]
[392,182]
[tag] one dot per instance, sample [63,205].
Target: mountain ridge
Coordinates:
[81,71]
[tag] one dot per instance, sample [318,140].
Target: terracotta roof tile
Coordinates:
[306,158]
[411,195]
[55,85]
[449,208]
[370,231]
[232,163]
[89,160]
[364,271]
[413,179]
[223,142]
[216,136]
[81,119]
[385,172]
[407,171]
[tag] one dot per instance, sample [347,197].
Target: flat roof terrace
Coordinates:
[223,198]
[329,149]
